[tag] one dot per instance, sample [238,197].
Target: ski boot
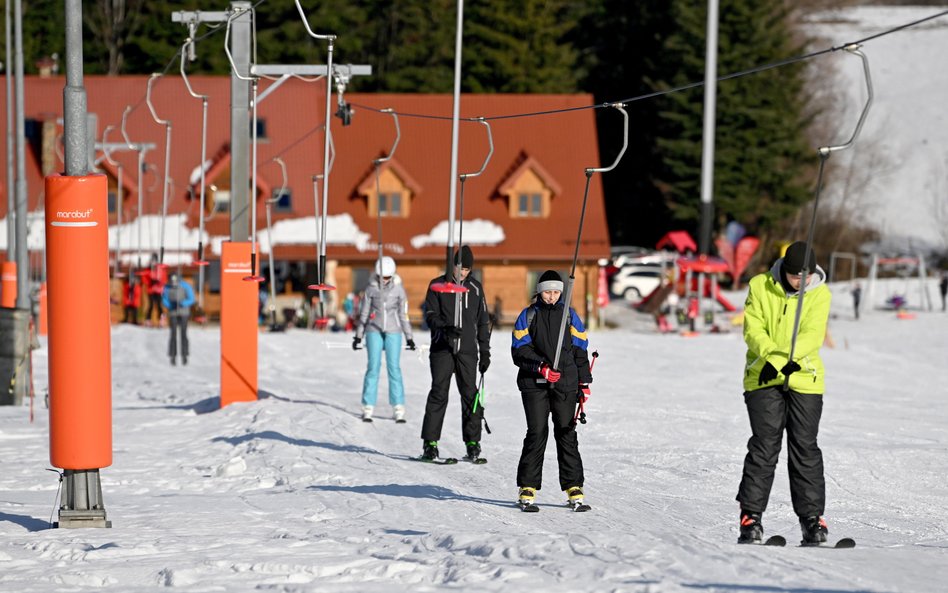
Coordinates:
[400,414]
[752,532]
[367,413]
[575,499]
[814,530]
[473,450]
[430,451]
[526,499]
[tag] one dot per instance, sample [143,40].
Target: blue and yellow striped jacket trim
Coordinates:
[521,331]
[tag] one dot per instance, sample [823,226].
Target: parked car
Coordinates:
[634,282]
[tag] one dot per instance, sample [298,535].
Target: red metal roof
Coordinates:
[560,146]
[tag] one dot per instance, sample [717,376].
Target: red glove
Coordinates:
[548,373]
[583,392]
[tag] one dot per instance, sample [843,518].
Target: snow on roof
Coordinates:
[476,232]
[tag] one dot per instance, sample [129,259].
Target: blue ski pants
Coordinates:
[375,342]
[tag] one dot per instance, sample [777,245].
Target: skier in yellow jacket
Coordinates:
[783,394]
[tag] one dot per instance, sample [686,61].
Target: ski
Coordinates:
[842,544]
[438,461]
[773,540]
[400,421]
[579,508]
[475,460]
[528,508]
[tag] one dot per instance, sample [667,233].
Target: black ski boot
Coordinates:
[752,532]
[473,450]
[430,451]
[814,530]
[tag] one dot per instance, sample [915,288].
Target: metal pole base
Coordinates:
[82,504]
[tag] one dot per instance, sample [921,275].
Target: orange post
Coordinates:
[238,325]
[80,359]
[8,284]
[44,311]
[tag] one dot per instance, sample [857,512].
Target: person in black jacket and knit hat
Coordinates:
[548,391]
[460,346]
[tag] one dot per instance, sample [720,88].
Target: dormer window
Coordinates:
[391,195]
[529,190]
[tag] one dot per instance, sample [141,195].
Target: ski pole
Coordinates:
[581,408]
[479,399]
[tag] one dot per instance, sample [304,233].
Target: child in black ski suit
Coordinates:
[547,391]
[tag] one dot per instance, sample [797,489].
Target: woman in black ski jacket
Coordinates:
[547,391]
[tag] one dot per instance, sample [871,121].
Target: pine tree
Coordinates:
[762,162]
[516,46]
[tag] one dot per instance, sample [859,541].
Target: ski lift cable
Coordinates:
[692,85]
[378,184]
[824,153]
[164,190]
[330,41]
[568,295]
[203,166]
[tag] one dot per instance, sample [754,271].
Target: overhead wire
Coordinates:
[684,87]
[607,104]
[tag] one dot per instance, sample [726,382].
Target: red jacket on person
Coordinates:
[132,294]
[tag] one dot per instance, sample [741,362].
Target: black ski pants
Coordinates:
[538,406]
[179,326]
[444,364]
[772,411]
[154,304]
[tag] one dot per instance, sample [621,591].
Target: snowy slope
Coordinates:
[900,160]
[295,493]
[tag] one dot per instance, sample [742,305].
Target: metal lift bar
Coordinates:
[164,191]
[824,153]
[567,297]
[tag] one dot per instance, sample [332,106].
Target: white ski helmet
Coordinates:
[387,267]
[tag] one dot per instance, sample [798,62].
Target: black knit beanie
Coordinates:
[794,258]
[466,258]
[550,280]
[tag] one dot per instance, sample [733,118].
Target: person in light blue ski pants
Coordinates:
[375,342]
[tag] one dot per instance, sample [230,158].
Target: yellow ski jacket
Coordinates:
[769,313]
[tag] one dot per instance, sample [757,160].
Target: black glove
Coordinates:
[355,342]
[790,368]
[411,344]
[452,331]
[485,363]
[767,374]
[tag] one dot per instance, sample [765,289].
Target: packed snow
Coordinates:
[295,493]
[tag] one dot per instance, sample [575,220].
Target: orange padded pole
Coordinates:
[80,359]
[8,284]
[238,325]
